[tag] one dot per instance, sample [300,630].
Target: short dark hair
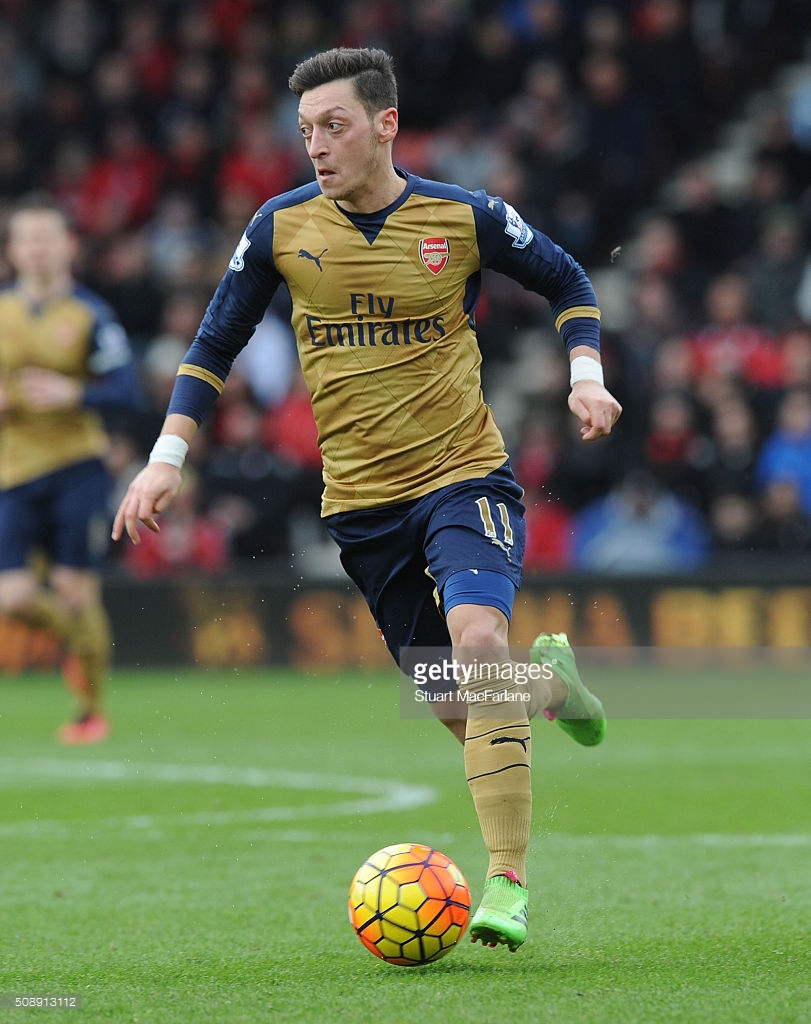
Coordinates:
[41,202]
[371,72]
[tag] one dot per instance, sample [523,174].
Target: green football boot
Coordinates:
[582,715]
[502,915]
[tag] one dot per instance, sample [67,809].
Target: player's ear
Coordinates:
[387,124]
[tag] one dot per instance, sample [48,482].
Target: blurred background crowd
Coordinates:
[665,143]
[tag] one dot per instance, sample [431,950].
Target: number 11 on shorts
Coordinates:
[489,524]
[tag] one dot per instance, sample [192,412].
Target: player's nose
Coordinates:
[317,143]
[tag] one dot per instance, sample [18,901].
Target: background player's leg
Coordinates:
[71,609]
[24,597]
[79,510]
[90,639]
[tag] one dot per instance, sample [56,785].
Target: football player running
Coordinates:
[384,271]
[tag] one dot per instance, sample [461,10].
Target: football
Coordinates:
[409,904]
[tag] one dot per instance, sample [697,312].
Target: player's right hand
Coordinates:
[151,492]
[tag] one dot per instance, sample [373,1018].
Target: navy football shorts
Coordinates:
[413,561]
[64,514]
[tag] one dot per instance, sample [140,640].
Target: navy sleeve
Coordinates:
[510,246]
[238,305]
[120,387]
[113,377]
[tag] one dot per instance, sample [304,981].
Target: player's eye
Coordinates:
[306,130]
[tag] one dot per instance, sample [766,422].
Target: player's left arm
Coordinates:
[511,246]
[48,390]
[109,377]
[589,399]
[113,379]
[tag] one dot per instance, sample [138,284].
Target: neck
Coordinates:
[44,289]
[376,196]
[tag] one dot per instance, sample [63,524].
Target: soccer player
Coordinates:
[63,354]
[384,272]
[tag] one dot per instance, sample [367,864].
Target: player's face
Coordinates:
[40,244]
[348,151]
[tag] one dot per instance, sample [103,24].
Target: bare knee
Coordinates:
[478,628]
[18,588]
[78,588]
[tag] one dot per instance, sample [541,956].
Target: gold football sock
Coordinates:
[497,765]
[498,758]
[91,643]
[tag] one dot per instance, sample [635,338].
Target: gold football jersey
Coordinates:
[67,336]
[387,349]
[383,312]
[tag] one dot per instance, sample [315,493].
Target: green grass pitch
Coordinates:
[195,867]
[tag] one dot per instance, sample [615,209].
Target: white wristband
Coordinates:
[585,368]
[169,448]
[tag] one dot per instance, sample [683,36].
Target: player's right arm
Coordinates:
[237,306]
[155,487]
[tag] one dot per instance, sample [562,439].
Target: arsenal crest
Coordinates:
[434,253]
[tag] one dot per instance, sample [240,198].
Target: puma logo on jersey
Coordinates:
[303,254]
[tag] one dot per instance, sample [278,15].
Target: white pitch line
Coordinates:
[378,795]
[718,840]
[205,774]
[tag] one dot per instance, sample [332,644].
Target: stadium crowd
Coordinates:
[161,126]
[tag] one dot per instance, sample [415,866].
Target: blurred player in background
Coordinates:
[63,354]
[384,271]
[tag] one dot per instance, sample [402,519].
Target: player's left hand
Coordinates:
[595,407]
